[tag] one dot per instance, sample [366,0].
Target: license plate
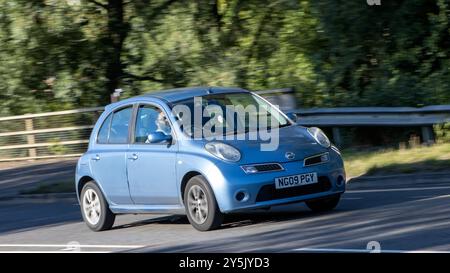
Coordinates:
[295,180]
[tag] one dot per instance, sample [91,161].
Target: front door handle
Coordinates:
[96,158]
[133,157]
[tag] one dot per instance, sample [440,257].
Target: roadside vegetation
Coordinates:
[69,54]
[432,158]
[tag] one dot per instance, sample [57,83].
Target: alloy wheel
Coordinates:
[197,204]
[91,206]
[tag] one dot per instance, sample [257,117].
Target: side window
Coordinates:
[103,134]
[150,120]
[119,126]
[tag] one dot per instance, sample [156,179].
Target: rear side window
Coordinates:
[119,126]
[103,134]
[114,129]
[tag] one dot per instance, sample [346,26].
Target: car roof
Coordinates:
[178,94]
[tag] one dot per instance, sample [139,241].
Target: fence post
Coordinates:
[30,138]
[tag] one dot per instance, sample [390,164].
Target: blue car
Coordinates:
[189,151]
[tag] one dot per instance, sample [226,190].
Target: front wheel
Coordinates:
[201,205]
[325,204]
[95,209]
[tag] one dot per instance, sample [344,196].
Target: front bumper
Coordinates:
[260,192]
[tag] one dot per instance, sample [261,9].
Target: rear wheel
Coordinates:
[201,205]
[325,204]
[95,209]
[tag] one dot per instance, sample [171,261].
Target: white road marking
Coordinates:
[68,245]
[40,251]
[435,197]
[63,248]
[398,189]
[356,250]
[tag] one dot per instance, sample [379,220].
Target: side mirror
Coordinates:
[293,116]
[159,137]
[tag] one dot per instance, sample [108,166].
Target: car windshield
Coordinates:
[227,113]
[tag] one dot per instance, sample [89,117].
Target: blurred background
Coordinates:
[71,55]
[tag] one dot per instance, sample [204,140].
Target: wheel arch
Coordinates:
[187,176]
[83,181]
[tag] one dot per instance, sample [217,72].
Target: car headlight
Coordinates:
[223,151]
[319,136]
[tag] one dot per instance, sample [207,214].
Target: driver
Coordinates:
[162,124]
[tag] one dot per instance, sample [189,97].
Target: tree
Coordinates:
[392,55]
[59,54]
[114,36]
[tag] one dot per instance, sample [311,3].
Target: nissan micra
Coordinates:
[203,152]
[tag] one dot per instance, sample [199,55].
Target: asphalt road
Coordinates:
[19,176]
[399,213]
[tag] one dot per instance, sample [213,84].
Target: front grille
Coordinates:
[261,168]
[269,192]
[268,167]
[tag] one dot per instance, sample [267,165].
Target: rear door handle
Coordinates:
[96,158]
[133,157]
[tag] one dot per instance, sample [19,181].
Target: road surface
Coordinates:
[398,214]
[22,176]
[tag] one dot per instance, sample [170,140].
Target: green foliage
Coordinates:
[63,54]
[442,132]
[392,55]
[56,148]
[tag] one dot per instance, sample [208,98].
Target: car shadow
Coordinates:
[360,196]
[235,220]
[161,220]
[275,214]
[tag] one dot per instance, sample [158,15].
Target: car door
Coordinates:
[108,158]
[150,164]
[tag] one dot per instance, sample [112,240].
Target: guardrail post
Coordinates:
[427,134]
[30,138]
[337,136]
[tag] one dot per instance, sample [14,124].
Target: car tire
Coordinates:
[200,219]
[325,204]
[95,209]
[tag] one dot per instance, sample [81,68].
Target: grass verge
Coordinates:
[58,187]
[391,161]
